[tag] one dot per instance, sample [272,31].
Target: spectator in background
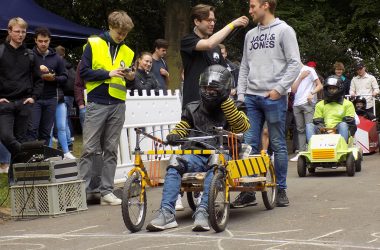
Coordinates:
[305,88]
[339,70]
[233,68]
[79,93]
[19,89]
[144,77]
[68,91]
[159,67]
[364,84]
[54,76]
[200,48]
[5,159]
[105,78]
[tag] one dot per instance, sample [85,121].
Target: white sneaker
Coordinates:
[295,158]
[72,139]
[110,199]
[69,156]
[178,204]
[198,198]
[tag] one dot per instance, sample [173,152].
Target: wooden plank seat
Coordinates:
[248,179]
[196,177]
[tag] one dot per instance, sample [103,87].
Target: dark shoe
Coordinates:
[201,220]
[93,198]
[244,199]
[282,199]
[164,220]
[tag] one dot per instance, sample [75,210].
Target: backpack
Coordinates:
[29,51]
[68,88]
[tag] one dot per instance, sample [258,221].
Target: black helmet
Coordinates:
[333,89]
[215,85]
[360,104]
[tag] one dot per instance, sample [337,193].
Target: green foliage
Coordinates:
[4,189]
[327,30]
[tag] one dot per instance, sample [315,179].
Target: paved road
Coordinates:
[327,211]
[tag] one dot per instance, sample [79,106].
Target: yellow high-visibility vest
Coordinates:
[101,59]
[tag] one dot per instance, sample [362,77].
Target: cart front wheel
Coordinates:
[350,165]
[133,206]
[218,205]
[301,166]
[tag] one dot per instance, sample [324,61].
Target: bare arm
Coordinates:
[218,37]
[299,79]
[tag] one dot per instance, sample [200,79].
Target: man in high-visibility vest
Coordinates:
[105,68]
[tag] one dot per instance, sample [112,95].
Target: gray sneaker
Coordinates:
[164,220]
[201,220]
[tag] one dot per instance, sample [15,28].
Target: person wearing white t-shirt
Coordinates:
[305,88]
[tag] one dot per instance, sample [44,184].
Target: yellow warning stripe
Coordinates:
[247,167]
[180,152]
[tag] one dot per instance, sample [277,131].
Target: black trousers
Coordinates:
[14,118]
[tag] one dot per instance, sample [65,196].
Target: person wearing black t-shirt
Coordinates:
[200,49]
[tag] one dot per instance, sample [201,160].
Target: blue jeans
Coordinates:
[259,110]
[195,163]
[342,129]
[82,115]
[62,127]
[69,101]
[5,156]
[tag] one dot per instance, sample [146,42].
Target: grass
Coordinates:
[4,188]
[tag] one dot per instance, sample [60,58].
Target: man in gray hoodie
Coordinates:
[271,63]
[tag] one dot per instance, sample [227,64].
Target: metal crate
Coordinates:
[48,199]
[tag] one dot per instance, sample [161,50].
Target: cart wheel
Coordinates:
[301,166]
[269,196]
[191,197]
[133,206]
[218,206]
[358,163]
[350,165]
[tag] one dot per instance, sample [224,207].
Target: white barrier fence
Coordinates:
[156,114]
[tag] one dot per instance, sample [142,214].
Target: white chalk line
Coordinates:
[266,233]
[80,229]
[177,244]
[39,246]
[211,237]
[113,243]
[312,239]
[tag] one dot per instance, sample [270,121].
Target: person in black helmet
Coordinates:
[360,104]
[334,111]
[215,109]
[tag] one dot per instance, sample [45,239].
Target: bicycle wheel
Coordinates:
[269,196]
[133,206]
[218,206]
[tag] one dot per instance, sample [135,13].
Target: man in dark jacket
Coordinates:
[54,76]
[19,86]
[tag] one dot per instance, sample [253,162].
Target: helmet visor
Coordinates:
[212,79]
[331,81]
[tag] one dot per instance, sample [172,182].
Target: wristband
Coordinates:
[231,26]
